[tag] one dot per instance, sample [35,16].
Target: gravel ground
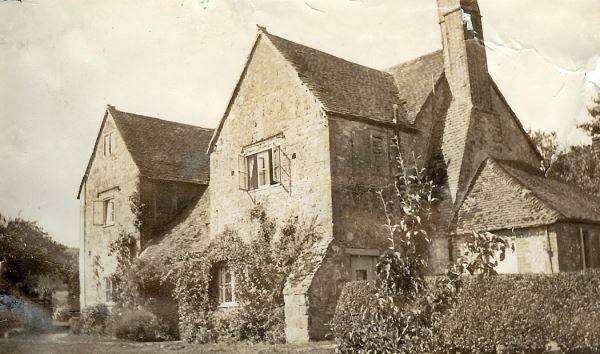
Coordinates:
[67,344]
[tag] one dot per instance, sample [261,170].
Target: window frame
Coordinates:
[358,259]
[108,290]
[110,148]
[249,163]
[105,203]
[223,286]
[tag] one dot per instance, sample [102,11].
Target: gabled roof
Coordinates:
[162,149]
[511,194]
[416,79]
[342,87]
[571,202]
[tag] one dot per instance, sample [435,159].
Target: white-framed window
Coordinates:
[104,212]
[108,290]
[260,169]
[363,267]
[109,143]
[226,286]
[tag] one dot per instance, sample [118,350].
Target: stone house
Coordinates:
[308,135]
[161,164]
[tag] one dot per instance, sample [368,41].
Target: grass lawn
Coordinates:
[66,344]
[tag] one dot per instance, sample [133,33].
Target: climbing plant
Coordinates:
[260,266]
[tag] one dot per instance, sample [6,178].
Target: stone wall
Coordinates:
[546,249]
[358,173]
[536,250]
[272,107]
[114,176]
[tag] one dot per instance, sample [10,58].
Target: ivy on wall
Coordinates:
[260,266]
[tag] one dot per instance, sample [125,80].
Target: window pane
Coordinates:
[228,295]
[360,274]
[110,212]
[252,172]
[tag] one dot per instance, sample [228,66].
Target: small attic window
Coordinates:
[468,20]
[109,143]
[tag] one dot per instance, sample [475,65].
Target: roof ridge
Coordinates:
[412,61]
[268,34]
[136,115]
[526,168]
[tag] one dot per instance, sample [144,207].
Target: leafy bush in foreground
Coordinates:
[523,313]
[141,326]
[94,319]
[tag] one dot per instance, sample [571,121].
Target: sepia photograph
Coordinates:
[300,176]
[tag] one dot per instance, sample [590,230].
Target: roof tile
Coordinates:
[165,150]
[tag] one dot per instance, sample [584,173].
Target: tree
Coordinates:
[547,145]
[578,164]
[593,127]
[29,258]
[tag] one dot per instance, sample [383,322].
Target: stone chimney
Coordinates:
[465,59]
[471,128]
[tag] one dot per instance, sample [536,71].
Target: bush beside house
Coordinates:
[523,313]
[519,313]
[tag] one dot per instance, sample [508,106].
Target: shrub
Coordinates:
[61,313]
[94,319]
[140,325]
[523,313]
[355,297]
[9,320]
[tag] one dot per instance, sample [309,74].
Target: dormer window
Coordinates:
[109,143]
[468,21]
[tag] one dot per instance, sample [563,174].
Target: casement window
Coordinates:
[226,284]
[109,143]
[261,169]
[363,267]
[104,212]
[108,290]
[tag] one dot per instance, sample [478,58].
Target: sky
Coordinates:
[63,61]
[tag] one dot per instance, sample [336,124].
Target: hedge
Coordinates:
[522,313]
[355,296]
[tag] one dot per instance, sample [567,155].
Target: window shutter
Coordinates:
[285,165]
[277,164]
[98,211]
[242,173]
